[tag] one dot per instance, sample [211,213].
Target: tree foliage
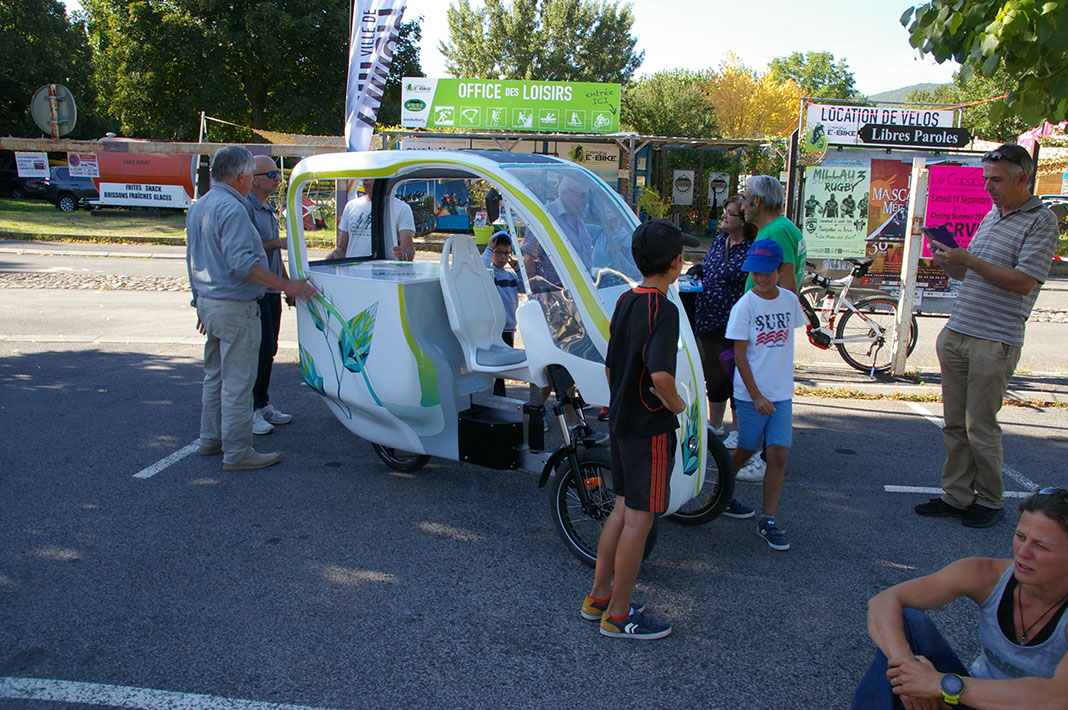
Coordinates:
[817,73]
[669,103]
[752,105]
[278,64]
[1028,37]
[40,45]
[546,40]
[980,119]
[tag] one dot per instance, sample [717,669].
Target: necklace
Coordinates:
[1019,608]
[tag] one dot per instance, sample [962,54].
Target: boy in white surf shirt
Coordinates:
[762,325]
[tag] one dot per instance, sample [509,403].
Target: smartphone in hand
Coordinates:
[941,235]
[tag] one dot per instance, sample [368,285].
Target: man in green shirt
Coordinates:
[763,206]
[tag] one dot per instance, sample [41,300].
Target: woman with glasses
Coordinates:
[722,283]
[1023,627]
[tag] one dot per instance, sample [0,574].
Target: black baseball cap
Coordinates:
[659,240]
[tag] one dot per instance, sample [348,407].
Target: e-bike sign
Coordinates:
[506,105]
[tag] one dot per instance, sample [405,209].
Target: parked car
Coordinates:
[68,193]
[1057,203]
[12,185]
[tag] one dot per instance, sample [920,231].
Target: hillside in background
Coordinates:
[902,93]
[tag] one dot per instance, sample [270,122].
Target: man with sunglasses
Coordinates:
[265,182]
[1001,272]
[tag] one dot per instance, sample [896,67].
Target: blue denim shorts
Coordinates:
[776,429]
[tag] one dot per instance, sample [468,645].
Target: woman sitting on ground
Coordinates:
[1023,627]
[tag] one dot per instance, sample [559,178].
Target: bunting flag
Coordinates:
[375,30]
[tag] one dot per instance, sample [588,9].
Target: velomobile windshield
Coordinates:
[591,218]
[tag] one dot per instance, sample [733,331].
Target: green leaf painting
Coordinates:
[354,341]
[691,459]
[309,373]
[317,318]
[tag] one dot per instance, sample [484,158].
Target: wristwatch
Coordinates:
[952,686]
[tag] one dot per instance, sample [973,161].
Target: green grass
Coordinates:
[37,219]
[40,220]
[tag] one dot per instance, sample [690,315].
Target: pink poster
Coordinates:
[957,199]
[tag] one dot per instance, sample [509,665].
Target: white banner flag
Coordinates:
[375,29]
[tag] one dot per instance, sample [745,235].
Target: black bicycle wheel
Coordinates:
[868,341]
[398,460]
[717,487]
[581,530]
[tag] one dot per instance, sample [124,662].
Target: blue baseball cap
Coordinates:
[764,257]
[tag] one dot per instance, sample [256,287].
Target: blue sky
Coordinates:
[695,34]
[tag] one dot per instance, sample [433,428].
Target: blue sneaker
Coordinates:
[592,611]
[771,533]
[636,626]
[738,509]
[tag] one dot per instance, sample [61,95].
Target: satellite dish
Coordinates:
[53,110]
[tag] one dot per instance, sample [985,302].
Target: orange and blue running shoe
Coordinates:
[592,611]
[636,626]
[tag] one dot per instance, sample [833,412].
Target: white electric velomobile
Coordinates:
[405,353]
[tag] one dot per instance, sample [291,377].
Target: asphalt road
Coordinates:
[329,581]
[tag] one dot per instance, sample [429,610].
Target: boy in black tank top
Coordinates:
[640,365]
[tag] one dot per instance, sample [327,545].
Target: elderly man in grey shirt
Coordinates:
[228,274]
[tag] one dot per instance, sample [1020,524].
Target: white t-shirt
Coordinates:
[768,327]
[356,220]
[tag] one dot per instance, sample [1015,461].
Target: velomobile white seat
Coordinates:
[476,313]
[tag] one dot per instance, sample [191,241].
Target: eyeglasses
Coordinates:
[996,155]
[1051,490]
[271,174]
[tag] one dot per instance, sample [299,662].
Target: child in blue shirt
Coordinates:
[498,254]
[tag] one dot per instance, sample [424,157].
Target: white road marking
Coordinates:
[931,490]
[922,411]
[167,461]
[120,696]
[1023,481]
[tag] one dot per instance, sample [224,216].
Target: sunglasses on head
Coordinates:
[996,155]
[1053,490]
[271,174]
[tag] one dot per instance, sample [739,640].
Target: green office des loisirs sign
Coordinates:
[506,105]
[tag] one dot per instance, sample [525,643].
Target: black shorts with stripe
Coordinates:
[641,468]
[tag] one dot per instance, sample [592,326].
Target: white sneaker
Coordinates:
[717,430]
[753,470]
[260,425]
[731,442]
[274,416]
